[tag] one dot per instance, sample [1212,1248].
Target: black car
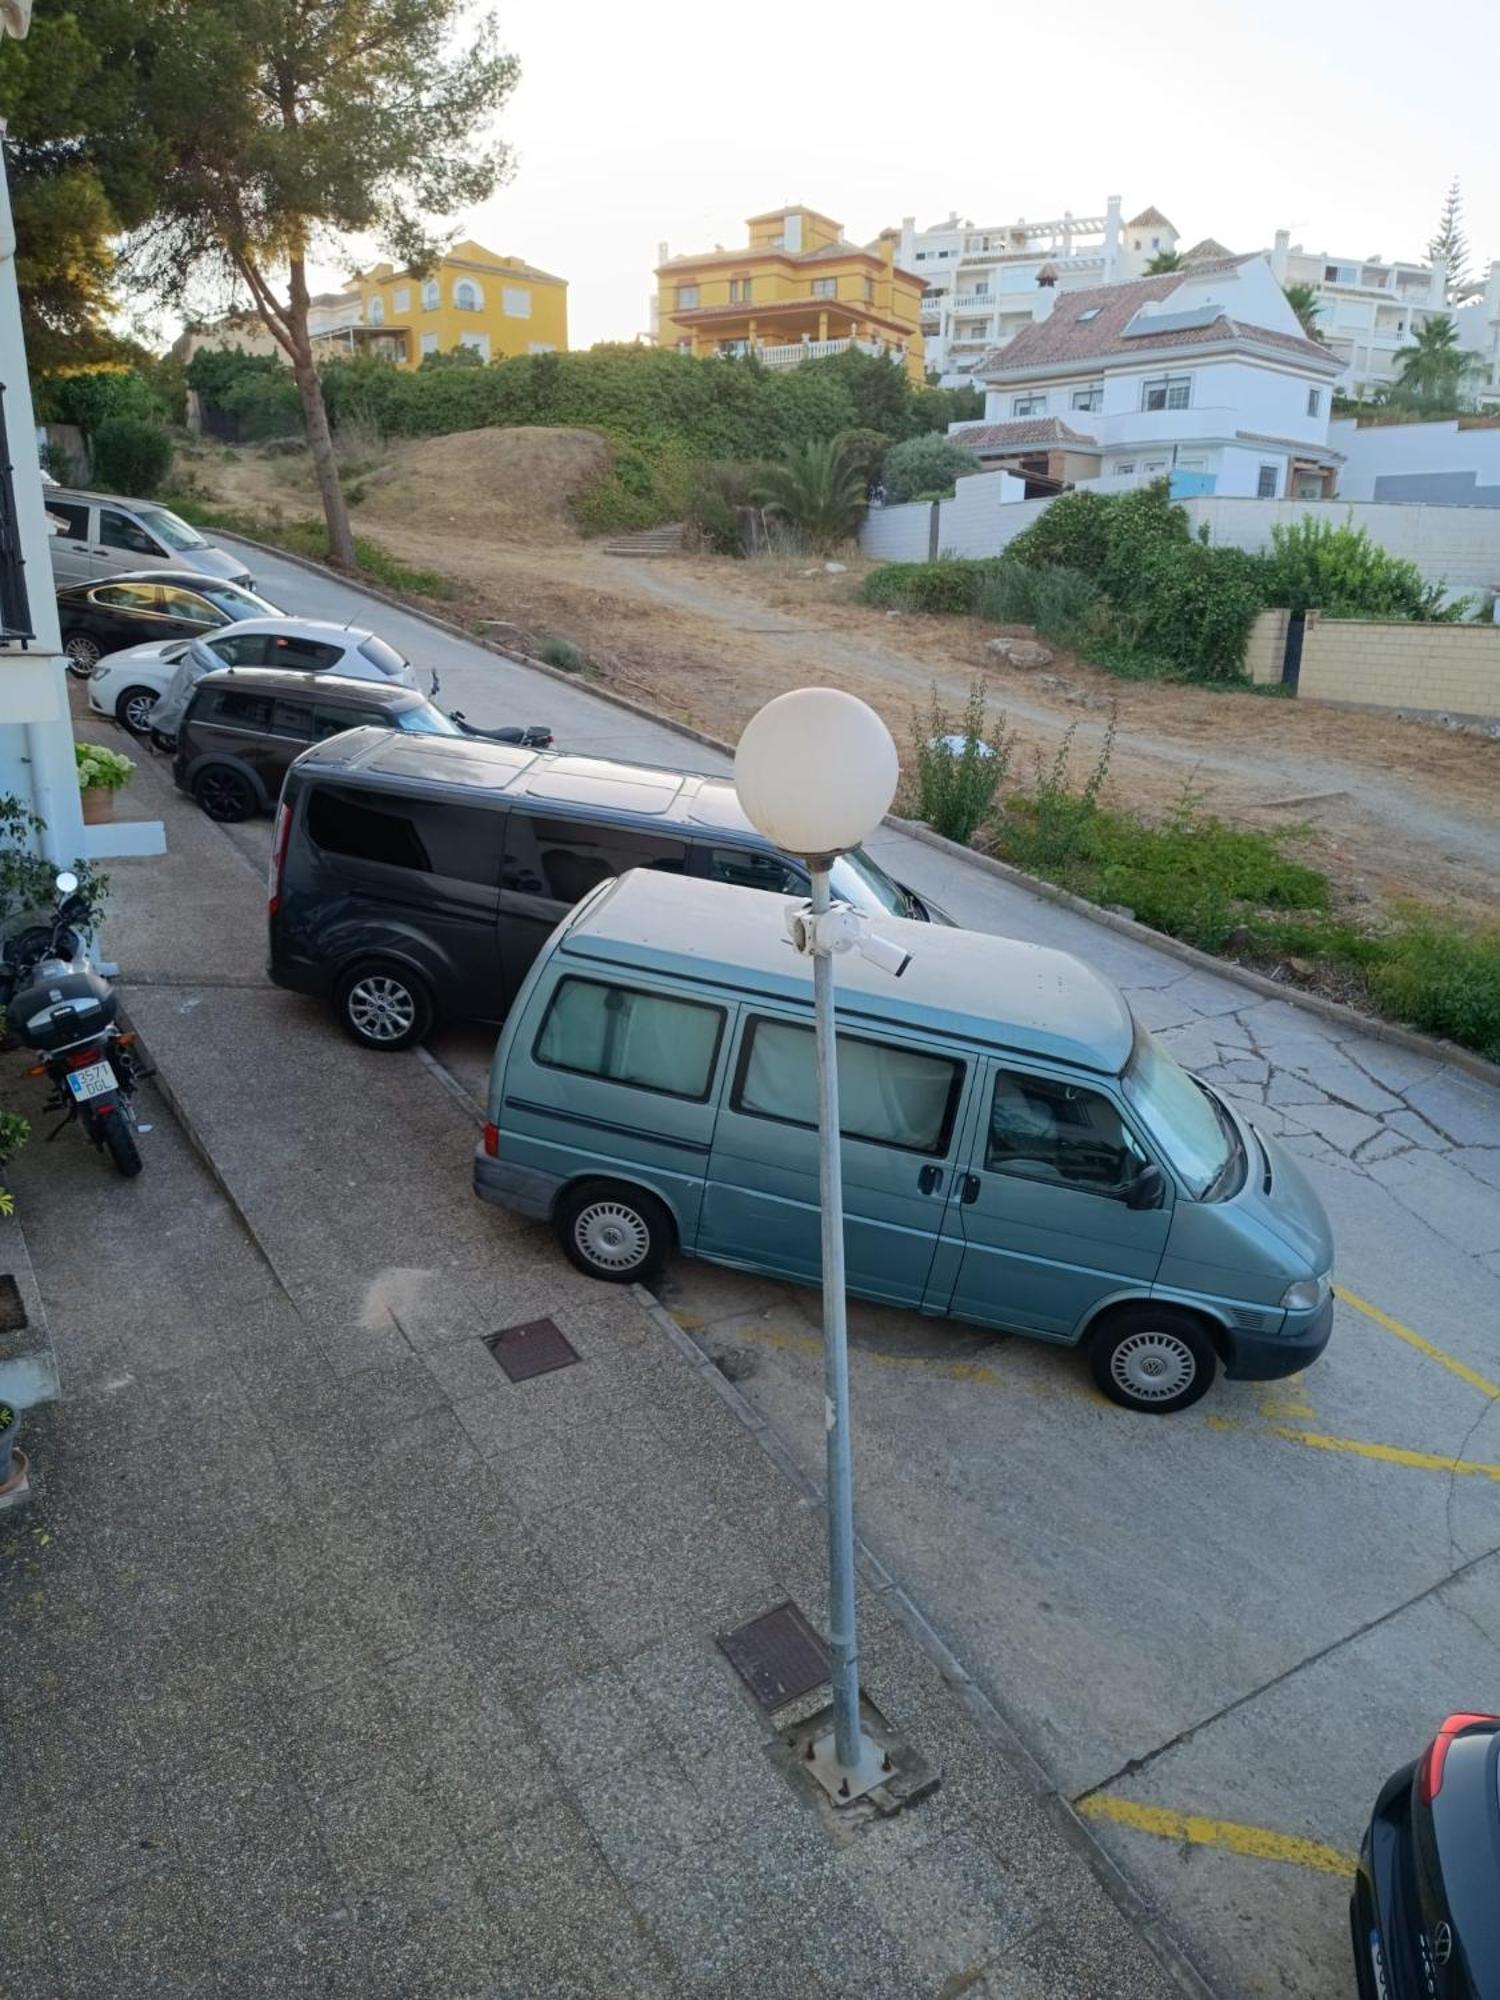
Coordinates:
[142,605]
[1425,1913]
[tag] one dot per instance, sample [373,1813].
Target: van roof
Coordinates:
[996,991]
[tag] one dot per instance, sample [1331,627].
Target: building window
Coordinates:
[1265,485]
[1091,398]
[401,302]
[1314,402]
[1083,318]
[739,291]
[825,288]
[921,256]
[467,296]
[1125,465]
[429,295]
[1028,406]
[376,311]
[429,343]
[1167,392]
[687,297]
[515,302]
[480,342]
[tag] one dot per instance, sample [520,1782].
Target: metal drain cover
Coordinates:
[535,1347]
[778,1656]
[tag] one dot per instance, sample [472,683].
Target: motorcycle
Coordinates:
[529,735]
[59,1004]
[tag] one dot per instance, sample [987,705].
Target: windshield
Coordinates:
[232,601]
[1197,1136]
[427,721]
[176,534]
[379,654]
[855,878]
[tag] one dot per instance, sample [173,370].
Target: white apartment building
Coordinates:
[1202,373]
[1479,331]
[1371,309]
[985,283]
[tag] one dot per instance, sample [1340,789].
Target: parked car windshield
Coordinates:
[855,878]
[176,534]
[1186,1121]
[427,721]
[232,601]
[379,654]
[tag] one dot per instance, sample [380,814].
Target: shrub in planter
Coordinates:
[101,773]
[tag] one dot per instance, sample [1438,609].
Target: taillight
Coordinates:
[1430,1770]
[278,858]
[81,1058]
[492,1141]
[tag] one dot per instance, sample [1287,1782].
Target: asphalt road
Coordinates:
[1219,1632]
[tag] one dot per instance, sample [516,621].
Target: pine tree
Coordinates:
[1452,245]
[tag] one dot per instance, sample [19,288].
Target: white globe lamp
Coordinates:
[816,771]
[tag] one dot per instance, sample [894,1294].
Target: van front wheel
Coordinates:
[615,1233]
[1153,1358]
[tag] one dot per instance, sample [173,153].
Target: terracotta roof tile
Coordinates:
[1025,430]
[1149,218]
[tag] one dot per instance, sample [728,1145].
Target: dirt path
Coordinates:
[1392,809]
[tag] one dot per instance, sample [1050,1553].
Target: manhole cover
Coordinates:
[534,1348]
[12,1307]
[778,1656]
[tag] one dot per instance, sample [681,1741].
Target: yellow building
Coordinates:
[471,298]
[798,292]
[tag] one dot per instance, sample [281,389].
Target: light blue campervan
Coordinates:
[1017,1150]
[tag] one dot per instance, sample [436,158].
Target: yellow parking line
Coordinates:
[1389,1454]
[1423,1346]
[1260,1843]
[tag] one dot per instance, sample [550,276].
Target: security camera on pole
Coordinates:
[816,771]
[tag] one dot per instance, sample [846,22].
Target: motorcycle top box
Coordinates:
[68,1007]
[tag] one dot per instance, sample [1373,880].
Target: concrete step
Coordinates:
[664,541]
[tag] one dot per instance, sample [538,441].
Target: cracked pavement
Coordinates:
[1254,1611]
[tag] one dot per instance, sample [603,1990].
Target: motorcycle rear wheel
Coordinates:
[118,1137]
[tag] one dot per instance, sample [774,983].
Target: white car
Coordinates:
[126,686]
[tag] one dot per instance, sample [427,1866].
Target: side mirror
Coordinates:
[1148,1187]
[67,882]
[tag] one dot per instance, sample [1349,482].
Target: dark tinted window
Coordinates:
[889,1095]
[308,655]
[744,868]
[126,596]
[1043,1129]
[292,718]
[564,859]
[331,721]
[118,531]
[71,521]
[238,708]
[187,604]
[617,1033]
[427,836]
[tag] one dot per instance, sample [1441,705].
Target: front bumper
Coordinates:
[522,1189]
[1267,1357]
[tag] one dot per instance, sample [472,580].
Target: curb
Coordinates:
[1410,1039]
[992,1720]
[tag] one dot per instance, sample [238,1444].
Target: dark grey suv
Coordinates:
[417,879]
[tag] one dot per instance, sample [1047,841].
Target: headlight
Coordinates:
[1307,1294]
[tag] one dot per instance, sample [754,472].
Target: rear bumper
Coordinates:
[522,1189]
[1267,1357]
[299,975]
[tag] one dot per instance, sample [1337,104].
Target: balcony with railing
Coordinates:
[794,353]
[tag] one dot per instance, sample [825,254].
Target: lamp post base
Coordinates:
[843,1786]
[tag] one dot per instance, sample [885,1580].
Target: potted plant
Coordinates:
[101,773]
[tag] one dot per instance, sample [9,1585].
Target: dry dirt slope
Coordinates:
[1394,809]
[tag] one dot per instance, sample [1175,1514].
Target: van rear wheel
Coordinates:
[383,1006]
[1153,1358]
[618,1234]
[225,794]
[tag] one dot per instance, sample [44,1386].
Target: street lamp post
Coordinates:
[816,771]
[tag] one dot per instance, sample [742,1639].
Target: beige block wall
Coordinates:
[1266,648]
[1427,669]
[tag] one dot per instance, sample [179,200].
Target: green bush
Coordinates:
[926,465]
[1058,602]
[816,492]
[1070,534]
[1315,566]
[131,455]
[865,450]
[1441,979]
[558,652]
[94,396]
[720,505]
[958,766]
[267,406]
[643,485]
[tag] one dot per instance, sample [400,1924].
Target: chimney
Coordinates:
[1044,299]
[661,253]
[1111,239]
[1279,251]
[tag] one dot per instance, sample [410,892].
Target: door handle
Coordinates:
[930,1179]
[969,1189]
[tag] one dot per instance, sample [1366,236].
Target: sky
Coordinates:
[672,122]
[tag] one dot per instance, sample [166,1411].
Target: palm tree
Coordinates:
[1434,372]
[1164,261]
[818,489]
[1306,304]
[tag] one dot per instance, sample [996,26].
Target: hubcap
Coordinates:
[84,654]
[612,1236]
[1153,1367]
[221,796]
[382,1008]
[137,710]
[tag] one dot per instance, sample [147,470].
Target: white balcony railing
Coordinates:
[796,352]
[973,302]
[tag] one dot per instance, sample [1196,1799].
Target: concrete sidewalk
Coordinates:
[337,1662]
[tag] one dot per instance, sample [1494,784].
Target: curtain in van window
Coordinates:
[893,1096]
[625,1036]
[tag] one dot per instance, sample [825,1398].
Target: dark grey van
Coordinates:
[417,879]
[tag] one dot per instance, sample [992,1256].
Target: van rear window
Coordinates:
[623,1035]
[888,1095]
[425,836]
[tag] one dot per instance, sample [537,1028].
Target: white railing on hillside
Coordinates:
[794,354]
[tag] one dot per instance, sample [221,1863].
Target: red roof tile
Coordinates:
[1025,430]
